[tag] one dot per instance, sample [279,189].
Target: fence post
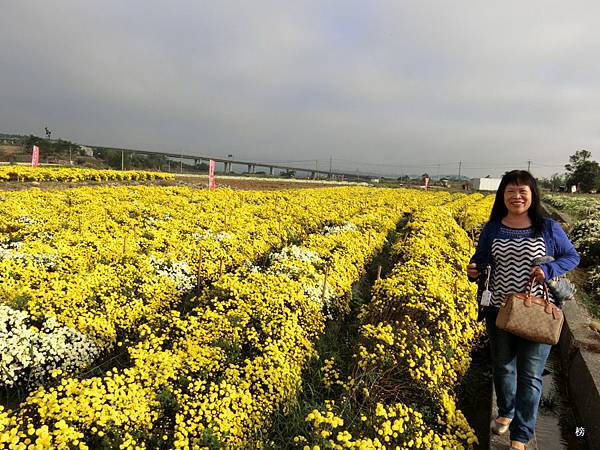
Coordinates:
[199,271]
[325,283]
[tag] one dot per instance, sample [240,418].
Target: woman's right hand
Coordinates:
[472,271]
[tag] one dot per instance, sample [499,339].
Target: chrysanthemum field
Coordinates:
[170,317]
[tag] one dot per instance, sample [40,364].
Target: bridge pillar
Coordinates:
[271,171]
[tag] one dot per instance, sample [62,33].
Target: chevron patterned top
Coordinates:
[512,254]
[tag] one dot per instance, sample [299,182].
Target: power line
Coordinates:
[548,165]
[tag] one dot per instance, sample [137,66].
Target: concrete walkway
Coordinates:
[503,442]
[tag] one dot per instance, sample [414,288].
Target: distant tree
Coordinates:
[28,143]
[111,158]
[153,161]
[201,167]
[556,181]
[583,172]
[48,149]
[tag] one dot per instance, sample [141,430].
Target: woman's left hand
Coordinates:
[538,274]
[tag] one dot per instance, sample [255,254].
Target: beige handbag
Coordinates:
[530,317]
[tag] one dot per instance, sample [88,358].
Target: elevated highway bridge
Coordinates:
[251,165]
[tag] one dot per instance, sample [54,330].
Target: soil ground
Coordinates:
[182,180]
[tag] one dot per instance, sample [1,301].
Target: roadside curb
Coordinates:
[580,357]
[565,219]
[580,354]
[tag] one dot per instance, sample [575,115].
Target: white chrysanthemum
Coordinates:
[10,245]
[295,253]
[251,267]
[311,276]
[29,356]
[324,299]
[45,236]
[220,236]
[164,218]
[178,271]
[26,220]
[334,229]
[42,259]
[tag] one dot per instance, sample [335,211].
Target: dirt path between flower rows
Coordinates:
[200,182]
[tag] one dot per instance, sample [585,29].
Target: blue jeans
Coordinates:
[517,365]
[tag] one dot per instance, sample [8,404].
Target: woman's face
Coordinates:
[517,198]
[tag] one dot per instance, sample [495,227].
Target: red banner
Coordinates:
[35,156]
[211,175]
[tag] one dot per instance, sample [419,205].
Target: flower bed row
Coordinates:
[471,211]
[415,344]
[585,232]
[579,206]
[25,173]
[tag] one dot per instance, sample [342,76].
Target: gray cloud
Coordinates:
[404,86]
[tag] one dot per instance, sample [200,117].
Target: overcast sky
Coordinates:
[385,86]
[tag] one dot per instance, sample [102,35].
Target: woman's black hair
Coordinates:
[535,212]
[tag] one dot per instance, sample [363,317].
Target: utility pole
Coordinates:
[528,165]
[459,169]
[330,165]
[181,163]
[122,159]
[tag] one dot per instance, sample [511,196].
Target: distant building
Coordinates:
[485,184]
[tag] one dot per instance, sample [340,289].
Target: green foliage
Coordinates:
[555,182]
[583,172]
[208,440]
[585,236]
[48,148]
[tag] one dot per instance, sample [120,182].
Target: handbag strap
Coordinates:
[544,288]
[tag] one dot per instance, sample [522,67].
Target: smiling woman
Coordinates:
[515,236]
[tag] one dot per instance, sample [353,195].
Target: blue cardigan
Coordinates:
[557,243]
